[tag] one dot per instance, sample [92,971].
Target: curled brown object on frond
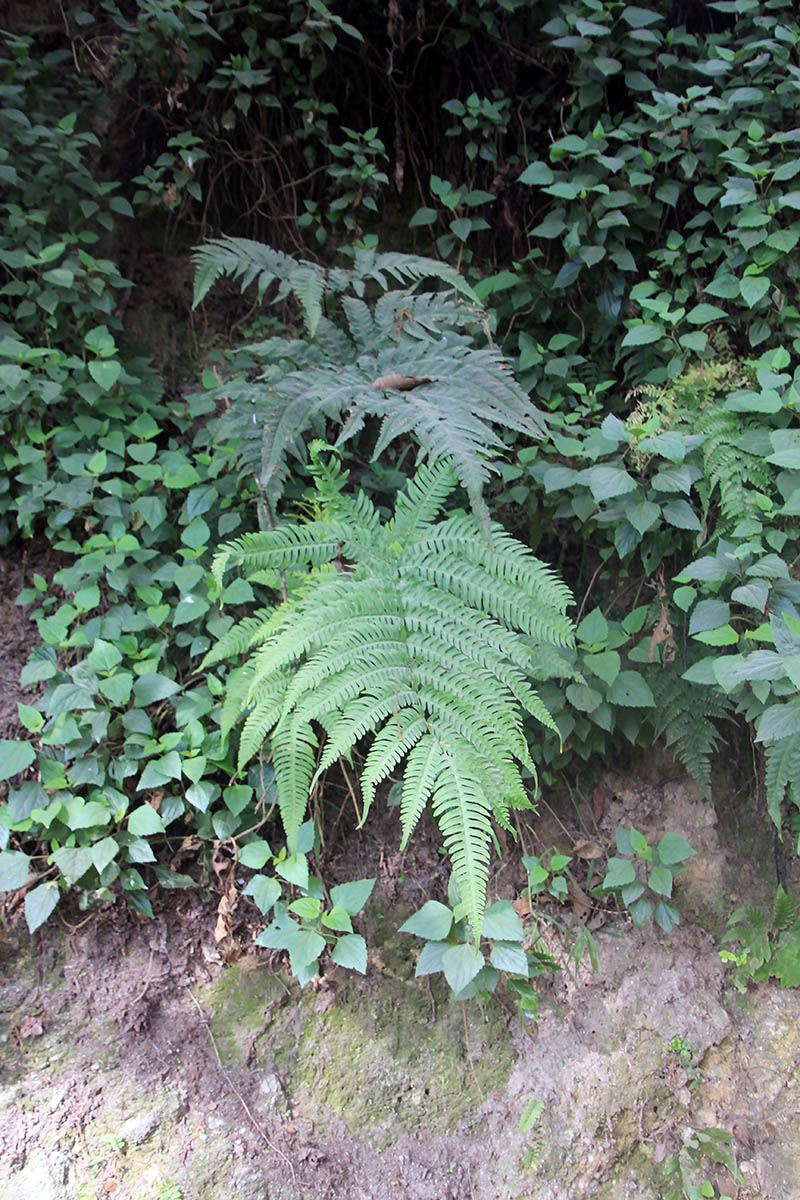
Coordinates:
[398,383]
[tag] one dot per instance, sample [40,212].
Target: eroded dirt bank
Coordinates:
[137,1065]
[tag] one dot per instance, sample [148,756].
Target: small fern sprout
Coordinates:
[420,636]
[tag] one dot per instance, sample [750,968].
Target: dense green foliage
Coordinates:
[603,355]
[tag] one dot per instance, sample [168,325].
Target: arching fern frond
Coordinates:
[252,262]
[426,638]
[406,362]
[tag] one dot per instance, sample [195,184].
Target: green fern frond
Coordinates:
[463,813]
[684,716]
[730,472]
[252,262]
[241,637]
[419,779]
[782,775]
[426,640]
[463,398]
[267,706]
[784,911]
[294,744]
[372,266]
[388,750]
[405,314]
[284,547]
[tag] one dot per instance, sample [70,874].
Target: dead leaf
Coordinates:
[30,1026]
[581,904]
[398,383]
[589,848]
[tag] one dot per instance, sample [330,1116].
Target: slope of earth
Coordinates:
[137,1065]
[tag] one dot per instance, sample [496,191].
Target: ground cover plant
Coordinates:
[488,365]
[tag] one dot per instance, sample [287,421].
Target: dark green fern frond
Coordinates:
[406,361]
[408,314]
[252,262]
[426,639]
[371,266]
[736,476]
[782,775]
[684,716]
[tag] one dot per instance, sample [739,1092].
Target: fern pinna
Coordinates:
[423,633]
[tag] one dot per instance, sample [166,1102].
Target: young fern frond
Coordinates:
[426,638]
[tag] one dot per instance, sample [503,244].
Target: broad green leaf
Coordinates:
[666,916]
[620,873]
[14,757]
[605,665]
[149,689]
[608,482]
[660,881]
[701,314]
[103,852]
[144,821]
[642,515]
[430,960]
[307,908]
[593,629]
[103,656]
[674,849]
[39,904]
[461,964]
[537,173]
[779,721]
[265,891]
[709,614]
[642,335]
[255,855]
[294,870]
[353,896]
[305,947]
[350,951]
[105,373]
[501,922]
[640,911]
[13,870]
[753,288]
[639,18]
[630,689]
[510,957]
[73,863]
[30,717]
[432,922]
[338,919]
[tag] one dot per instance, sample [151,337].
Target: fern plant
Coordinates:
[423,633]
[406,360]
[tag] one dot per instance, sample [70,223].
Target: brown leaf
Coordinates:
[581,904]
[399,383]
[589,848]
